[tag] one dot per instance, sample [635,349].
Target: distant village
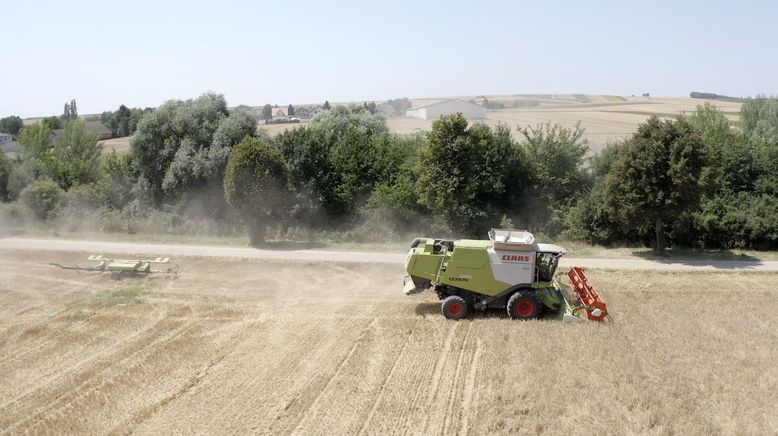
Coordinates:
[104,127]
[400,107]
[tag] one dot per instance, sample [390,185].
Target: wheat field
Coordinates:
[237,346]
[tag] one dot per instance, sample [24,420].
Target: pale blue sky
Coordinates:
[141,53]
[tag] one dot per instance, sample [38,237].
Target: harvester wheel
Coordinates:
[523,304]
[454,307]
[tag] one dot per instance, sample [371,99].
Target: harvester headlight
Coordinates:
[596,312]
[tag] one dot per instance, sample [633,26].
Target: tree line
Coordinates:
[196,166]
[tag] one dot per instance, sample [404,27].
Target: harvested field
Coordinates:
[235,346]
[604,118]
[120,145]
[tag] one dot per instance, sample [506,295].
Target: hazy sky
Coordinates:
[142,53]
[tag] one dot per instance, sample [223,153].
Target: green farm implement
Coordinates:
[117,266]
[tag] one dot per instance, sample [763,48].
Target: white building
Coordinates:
[315,112]
[434,111]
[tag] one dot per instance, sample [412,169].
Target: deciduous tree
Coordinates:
[11,125]
[469,176]
[661,173]
[77,156]
[256,184]
[267,112]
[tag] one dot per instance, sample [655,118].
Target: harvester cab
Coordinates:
[510,271]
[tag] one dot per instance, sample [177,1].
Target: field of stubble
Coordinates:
[231,346]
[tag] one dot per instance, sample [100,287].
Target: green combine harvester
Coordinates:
[510,271]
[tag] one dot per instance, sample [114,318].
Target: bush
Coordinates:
[282,121]
[115,188]
[589,220]
[14,215]
[83,197]
[43,198]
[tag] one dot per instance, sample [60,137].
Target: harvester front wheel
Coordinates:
[454,307]
[523,304]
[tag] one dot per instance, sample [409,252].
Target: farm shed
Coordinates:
[434,111]
[93,127]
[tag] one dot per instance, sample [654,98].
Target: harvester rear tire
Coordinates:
[523,305]
[454,307]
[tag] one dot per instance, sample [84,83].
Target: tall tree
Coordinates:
[256,185]
[749,114]
[557,156]
[469,176]
[71,111]
[661,173]
[326,105]
[267,112]
[290,110]
[78,155]
[336,157]
[400,105]
[731,155]
[52,122]
[11,125]
[35,141]
[183,147]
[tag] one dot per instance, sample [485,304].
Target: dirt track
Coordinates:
[277,347]
[359,257]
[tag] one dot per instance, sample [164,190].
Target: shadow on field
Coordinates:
[719,259]
[433,309]
[428,309]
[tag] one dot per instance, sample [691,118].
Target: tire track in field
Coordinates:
[289,361]
[453,386]
[402,406]
[58,333]
[227,347]
[421,365]
[471,389]
[88,377]
[440,369]
[380,396]
[44,351]
[457,381]
[267,382]
[58,338]
[343,362]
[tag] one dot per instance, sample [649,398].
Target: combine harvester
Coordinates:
[510,272]
[117,266]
